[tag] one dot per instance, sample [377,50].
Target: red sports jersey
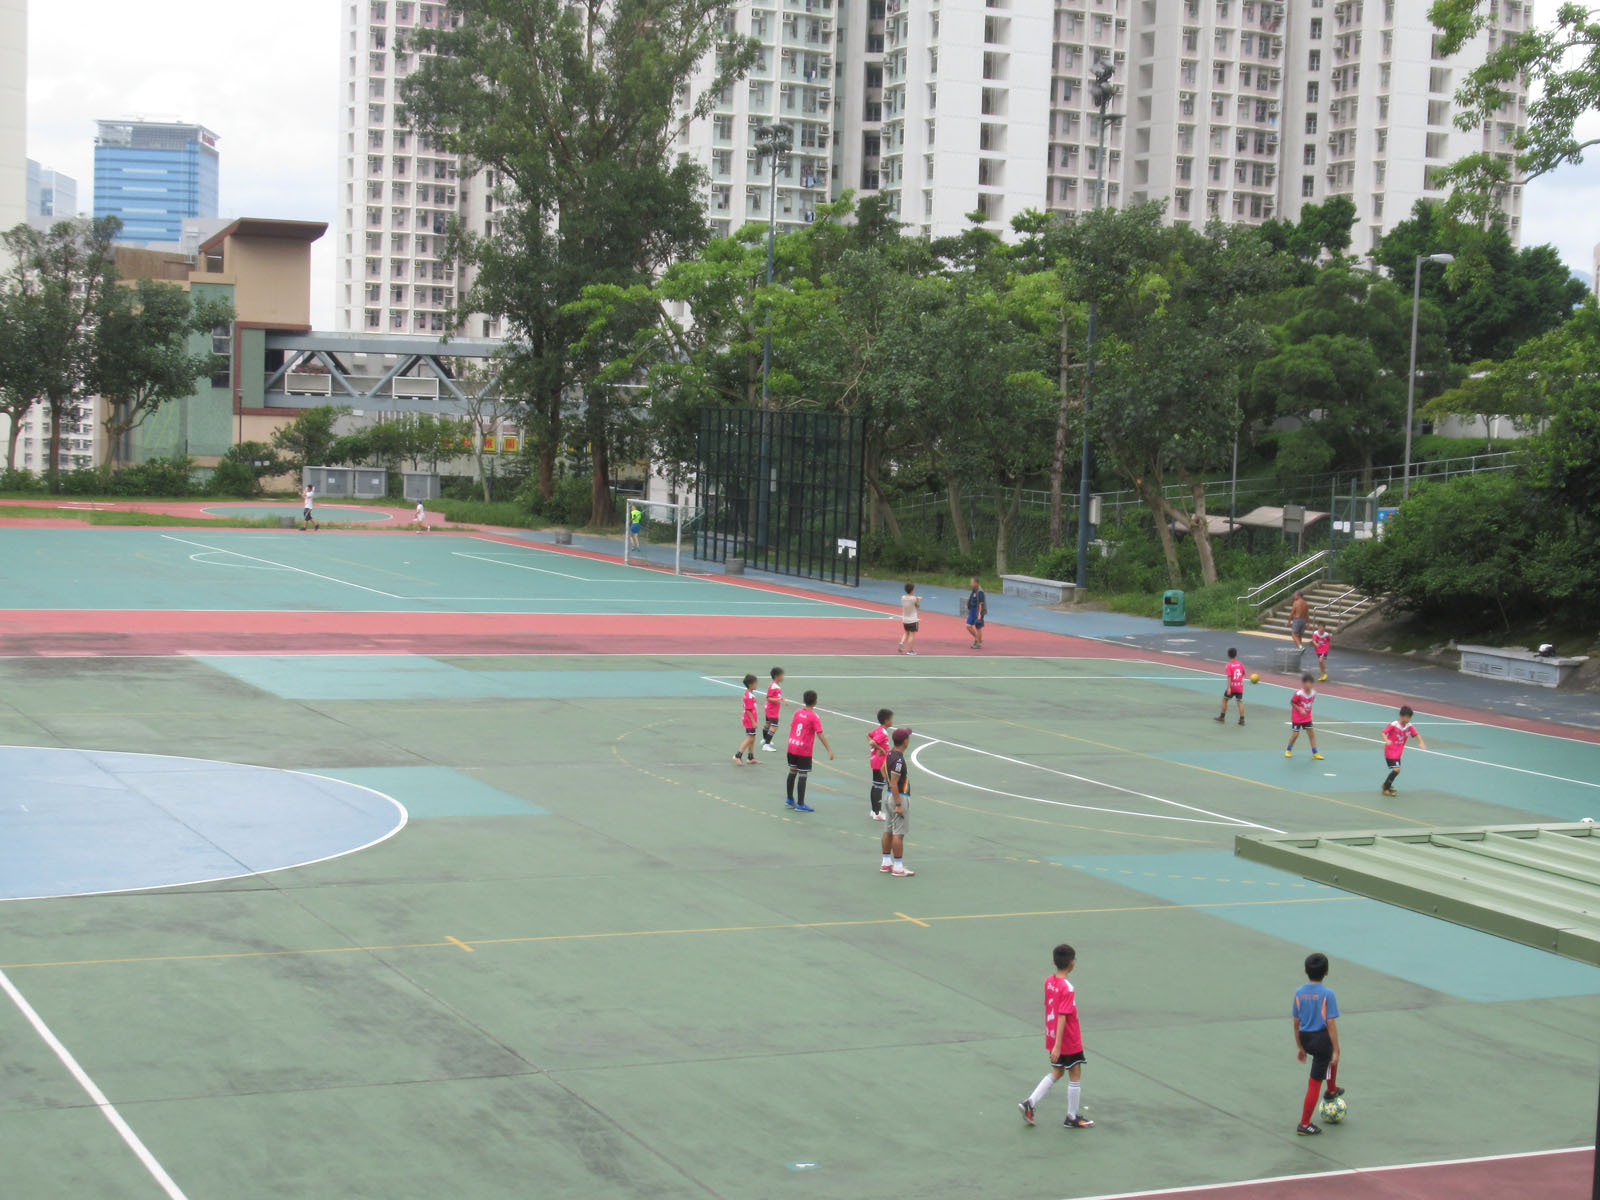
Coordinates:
[774,700]
[1300,706]
[1060,999]
[880,750]
[1395,738]
[1320,642]
[1235,675]
[803,731]
[749,709]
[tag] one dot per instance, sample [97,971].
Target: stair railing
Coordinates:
[1283,583]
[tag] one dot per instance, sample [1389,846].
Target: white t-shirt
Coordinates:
[308,496]
[421,515]
[908,608]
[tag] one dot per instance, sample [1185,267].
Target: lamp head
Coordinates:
[1442,258]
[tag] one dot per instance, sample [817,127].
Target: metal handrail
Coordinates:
[1327,609]
[1307,568]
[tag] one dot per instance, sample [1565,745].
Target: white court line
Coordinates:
[107,1109]
[521,567]
[315,575]
[1345,1173]
[1477,762]
[1223,818]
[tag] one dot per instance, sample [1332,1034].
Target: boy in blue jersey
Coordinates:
[1316,1033]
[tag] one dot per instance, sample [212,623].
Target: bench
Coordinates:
[1039,591]
[1517,666]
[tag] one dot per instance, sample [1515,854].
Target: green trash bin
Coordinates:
[1172,611]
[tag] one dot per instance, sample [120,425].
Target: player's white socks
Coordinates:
[1074,1091]
[1043,1090]
[898,865]
[888,860]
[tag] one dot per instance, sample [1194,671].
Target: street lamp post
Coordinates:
[775,142]
[1411,377]
[1101,93]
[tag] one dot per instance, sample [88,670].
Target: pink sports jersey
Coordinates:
[1320,642]
[803,731]
[749,709]
[880,742]
[1235,675]
[774,700]
[1300,706]
[1396,736]
[1060,999]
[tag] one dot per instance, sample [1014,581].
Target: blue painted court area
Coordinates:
[416,677]
[1434,954]
[430,792]
[76,822]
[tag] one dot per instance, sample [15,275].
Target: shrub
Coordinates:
[14,480]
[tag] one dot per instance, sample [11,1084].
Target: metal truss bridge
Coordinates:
[382,372]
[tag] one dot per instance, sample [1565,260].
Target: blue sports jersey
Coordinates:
[1314,1006]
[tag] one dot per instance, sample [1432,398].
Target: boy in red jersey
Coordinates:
[804,732]
[1063,1040]
[1395,737]
[748,746]
[1234,688]
[877,751]
[1321,640]
[1300,716]
[774,709]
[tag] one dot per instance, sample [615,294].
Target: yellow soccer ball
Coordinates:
[1255,678]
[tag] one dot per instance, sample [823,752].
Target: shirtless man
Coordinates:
[1299,617]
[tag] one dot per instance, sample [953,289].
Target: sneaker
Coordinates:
[1241,720]
[878,816]
[1220,720]
[752,761]
[1390,792]
[1288,753]
[738,761]
[1323,678]
[789,803]
[886,867]
[1078,1122]
[1027,1111]
[804,808]
[1333,1093]
[1306,1130]
[1317,754]
[899,649]
[897,872]
[912,653]
[769,748]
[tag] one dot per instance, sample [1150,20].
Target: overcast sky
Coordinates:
[265,79]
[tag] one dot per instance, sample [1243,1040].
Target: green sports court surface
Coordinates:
[495,925]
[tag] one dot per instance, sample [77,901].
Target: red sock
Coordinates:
[1310,1106]
[1333,1076]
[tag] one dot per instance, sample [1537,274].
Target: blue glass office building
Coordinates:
[152,174]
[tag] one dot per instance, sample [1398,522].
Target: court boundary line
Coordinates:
[1231,822]
[99,1099]
[1341,1173]
[405,819]
[285,566]
[1477,762]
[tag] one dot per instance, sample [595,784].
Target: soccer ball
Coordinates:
[1255,678]
[1588,821]
[1333,1110]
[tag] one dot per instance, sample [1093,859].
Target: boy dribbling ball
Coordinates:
[1316,1035]
[1395,736]
[1063,1041]
[1300,716]
[1234,688]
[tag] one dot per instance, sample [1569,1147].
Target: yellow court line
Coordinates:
[471,943]
[457,941]
[1071,737]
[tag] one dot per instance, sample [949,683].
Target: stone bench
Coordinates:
[1039,591]
[1517,666]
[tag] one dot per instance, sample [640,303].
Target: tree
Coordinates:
[141,352]
[309,439]
[23,372]
[244,465]
[1559,65]
[573,108]
[63,279]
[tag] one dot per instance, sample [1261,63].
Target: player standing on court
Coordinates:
[635,521]
[899,813]
[1316,1033]
[1234,688]
[308,500]
[748,719]
[1063,1040]
[977,610]
[1321,642]
[910,619]
[877,752]
[773,711]
[1300,716]
[1395,736]
[804,732]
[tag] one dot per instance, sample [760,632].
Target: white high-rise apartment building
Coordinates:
[13,111]
[396,189]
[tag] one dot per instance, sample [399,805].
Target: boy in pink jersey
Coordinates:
[1063,1040]
[1395,737]
[804,732]
[1300,716]
[1321,640]
[877,751]
[747,748]
[774,708]
[1233,689]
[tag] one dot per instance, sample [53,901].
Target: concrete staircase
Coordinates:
[1337,604]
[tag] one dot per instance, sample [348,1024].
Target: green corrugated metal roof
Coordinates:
[1536,884]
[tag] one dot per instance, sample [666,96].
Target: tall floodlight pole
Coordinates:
[774,141]
[1411,377]
[1101,94]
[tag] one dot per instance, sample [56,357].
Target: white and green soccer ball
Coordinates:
[1333,1111]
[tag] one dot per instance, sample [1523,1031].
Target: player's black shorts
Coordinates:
[800,762]
[877,775]
[772,721]
[306,513]
[909,626]
[1394,763]
[1074,1058]
[1298,725]
[1319,1046]
[1229,694]
[749,730]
